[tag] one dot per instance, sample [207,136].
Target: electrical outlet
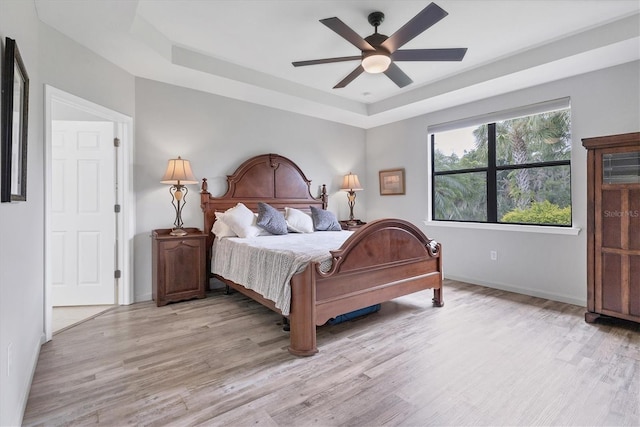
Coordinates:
[9,358]
[494,255]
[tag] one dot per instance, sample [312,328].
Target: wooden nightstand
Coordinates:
[351,225]
[178,266]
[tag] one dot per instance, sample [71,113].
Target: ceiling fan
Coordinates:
[379,52]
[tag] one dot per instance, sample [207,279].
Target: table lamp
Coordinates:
[178,174]
[351,184]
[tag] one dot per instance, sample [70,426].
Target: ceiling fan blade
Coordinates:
[347,33]
[397,75]
[326,60]
[453,54]
[351,77]
[423,20]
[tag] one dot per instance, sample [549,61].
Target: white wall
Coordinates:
[217,134]
[50,58]
[21,234]
[547,265]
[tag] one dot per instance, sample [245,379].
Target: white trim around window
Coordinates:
[496,116]
[520,228]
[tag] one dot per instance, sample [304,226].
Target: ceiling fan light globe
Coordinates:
[377,63]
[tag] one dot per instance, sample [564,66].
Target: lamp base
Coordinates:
[178,232]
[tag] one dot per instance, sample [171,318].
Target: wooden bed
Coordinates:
[382,260]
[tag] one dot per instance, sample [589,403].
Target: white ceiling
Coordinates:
[243,49]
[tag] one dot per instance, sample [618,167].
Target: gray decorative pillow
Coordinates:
[324,220]
[270,219]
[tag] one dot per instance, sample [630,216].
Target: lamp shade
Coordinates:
[351,183]
[178,173]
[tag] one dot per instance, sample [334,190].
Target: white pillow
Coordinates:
[243,221]
[298,221]
[220,228]
[261,231]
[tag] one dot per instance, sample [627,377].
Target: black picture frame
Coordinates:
[14,124]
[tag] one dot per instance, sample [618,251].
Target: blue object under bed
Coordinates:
[353,314]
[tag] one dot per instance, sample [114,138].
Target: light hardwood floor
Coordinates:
[67,317]
[487,357]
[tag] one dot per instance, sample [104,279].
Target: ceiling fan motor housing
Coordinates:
[382,56]
[376,40]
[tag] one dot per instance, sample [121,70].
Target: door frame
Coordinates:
[123,129]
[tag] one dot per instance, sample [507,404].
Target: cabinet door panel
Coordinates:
[611,219]
[634,219]
[612,282]
[634,285]
[181,275]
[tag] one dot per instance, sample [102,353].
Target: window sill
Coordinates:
[542,229]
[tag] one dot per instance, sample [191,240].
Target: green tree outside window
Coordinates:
[511,171]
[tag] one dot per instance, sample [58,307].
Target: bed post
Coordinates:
[302,316]
[324,197]
[209,218]
[438,301]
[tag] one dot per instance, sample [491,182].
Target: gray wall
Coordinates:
[216,135]
[547,265]
[50,58]
[73,68]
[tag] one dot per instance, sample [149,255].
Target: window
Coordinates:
[517,170]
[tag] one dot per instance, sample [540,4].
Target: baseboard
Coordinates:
[143,297]
[27,387]
[519,290]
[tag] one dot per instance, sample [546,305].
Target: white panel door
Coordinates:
[83,219]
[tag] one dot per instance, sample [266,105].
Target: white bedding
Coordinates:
[266,264]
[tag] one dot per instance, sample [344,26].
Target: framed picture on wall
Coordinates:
[391,182]
[15,108]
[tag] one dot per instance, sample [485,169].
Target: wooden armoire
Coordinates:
[613,226]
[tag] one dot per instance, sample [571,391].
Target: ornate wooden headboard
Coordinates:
[268,178]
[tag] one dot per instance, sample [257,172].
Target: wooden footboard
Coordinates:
[383,260]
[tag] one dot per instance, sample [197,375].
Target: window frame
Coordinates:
[492,168]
